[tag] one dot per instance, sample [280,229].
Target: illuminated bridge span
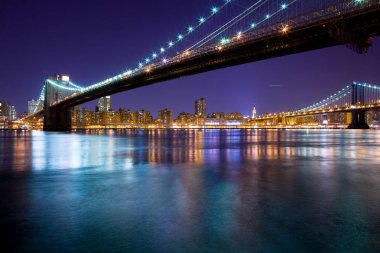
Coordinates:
[352,102]
[272,28]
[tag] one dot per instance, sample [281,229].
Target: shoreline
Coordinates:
[195,128]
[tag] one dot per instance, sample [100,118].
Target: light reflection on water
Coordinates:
[191,191]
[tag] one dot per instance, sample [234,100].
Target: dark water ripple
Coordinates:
[190,191]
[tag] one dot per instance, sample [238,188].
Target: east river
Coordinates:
[190,191]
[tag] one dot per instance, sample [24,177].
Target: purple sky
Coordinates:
[94,39]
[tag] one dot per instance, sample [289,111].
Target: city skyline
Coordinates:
[190,126]
[263,84]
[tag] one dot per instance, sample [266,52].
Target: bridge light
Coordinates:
[154,55]
[283,6]
[214,10]
[267,16]
[253,25]
[170,43]
[147,60]
[239,35]
[224,41]
[190,29]
[202,20]
[140,64]
[164,60]
[180,37]
[162,49]
[285,29]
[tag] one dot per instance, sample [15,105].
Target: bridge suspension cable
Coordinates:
[268,12]
[233,21]
[214,10]
[223,28]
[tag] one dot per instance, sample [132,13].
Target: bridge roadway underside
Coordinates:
[310,37]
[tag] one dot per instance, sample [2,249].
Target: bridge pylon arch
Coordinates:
[358,116]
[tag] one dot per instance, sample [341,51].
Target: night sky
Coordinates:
[93,39]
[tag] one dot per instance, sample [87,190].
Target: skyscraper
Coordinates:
[142,117]
[254,112]
[165,116]
[32,106]
[11,112]
[104,104]
[3,109]
[200,107]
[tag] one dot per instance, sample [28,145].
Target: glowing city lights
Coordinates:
[285,29]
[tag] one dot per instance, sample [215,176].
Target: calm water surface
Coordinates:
[190,191]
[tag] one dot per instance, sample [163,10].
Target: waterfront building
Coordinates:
[214,122]
[82,117]
[11,114]
[165,117]
[234,115]
[113,117]
[142,117]
[3,110]
[217,115]
[104,104]
[126,116]
[254,112]
[185,119]
[200,108]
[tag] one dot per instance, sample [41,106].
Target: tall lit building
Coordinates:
[254,112]
[32,106]
[104,104]
[126,116]
[165,117]
[3,110]
[142,117]
[11,113]
[200,107]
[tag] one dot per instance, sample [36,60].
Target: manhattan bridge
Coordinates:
[235,32]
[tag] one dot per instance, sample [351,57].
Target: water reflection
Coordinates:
[93,148]
[191,191]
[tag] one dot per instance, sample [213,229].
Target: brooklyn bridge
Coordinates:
[287,28]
